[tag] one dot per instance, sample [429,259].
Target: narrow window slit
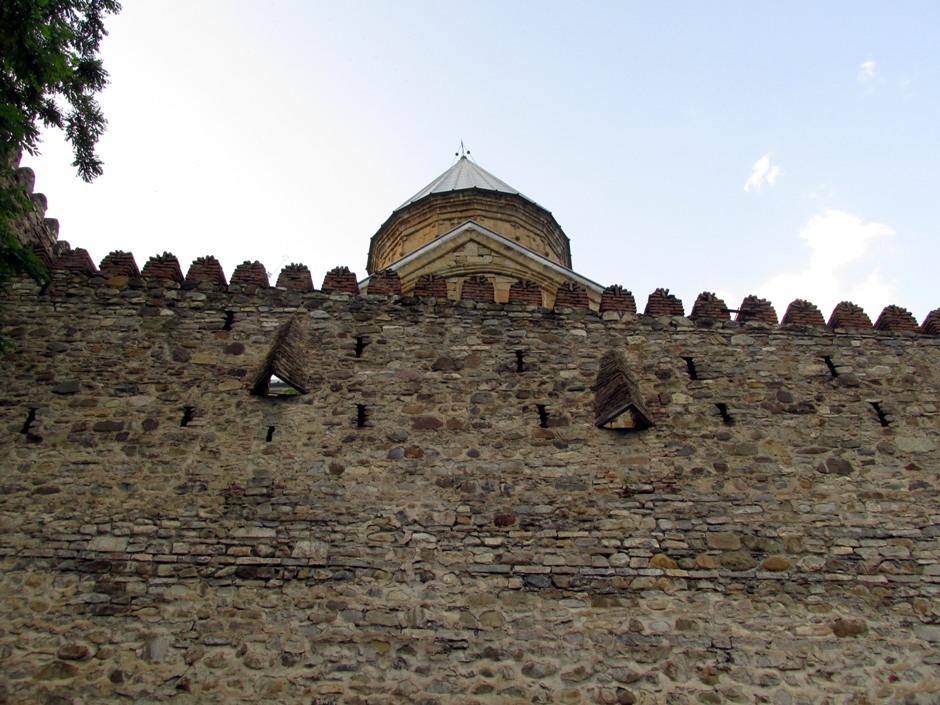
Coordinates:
[229,320]
[520,361]
[362,415]
[832,368]
[360,345]
[882,418]
[188,413]
[270,434]
[690,365]
[30,417]
[543,415]
[723,410]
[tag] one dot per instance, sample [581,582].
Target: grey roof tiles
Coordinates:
[464,174]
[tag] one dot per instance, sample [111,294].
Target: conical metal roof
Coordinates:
[463,175]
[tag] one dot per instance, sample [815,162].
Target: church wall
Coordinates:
[510,215]
[417,529]
[476,257]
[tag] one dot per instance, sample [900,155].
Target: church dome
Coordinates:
[464,174]
[467,193]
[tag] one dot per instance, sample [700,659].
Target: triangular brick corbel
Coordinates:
[285,361]
[617,399]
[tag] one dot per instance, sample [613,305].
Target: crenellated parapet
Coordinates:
[931,324]
[802,313]
[164,266]
[205,269]
[295,277]
[756,309]
[895,318]
[662,303]
[849,315]
[708,307]
[619,300]
[119,268]
[431,286]
[340,280]
[77,260]
[250,274]
[571,295]
[385,283]
[524,291]
[479,289]
[119,263]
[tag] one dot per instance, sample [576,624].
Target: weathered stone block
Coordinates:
[314,551]
[108,544]
[723,540]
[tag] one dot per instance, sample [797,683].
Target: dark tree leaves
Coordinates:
[50,73]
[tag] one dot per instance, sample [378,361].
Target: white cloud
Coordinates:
[866,72]
[763,172]
[842,266]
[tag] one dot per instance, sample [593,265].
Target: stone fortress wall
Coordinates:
[439,519]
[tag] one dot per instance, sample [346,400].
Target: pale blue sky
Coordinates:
[288,131]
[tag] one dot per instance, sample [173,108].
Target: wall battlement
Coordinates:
[120,269]
[59,256]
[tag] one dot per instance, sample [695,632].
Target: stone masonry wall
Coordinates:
[440,521]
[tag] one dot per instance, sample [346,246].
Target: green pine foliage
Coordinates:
[15,259]
[49,75]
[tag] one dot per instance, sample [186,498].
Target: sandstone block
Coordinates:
[491,620]
[776,563]
[738,561]
[427,422]
[849,627]
[723,540]
[661,560]
[707,562]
